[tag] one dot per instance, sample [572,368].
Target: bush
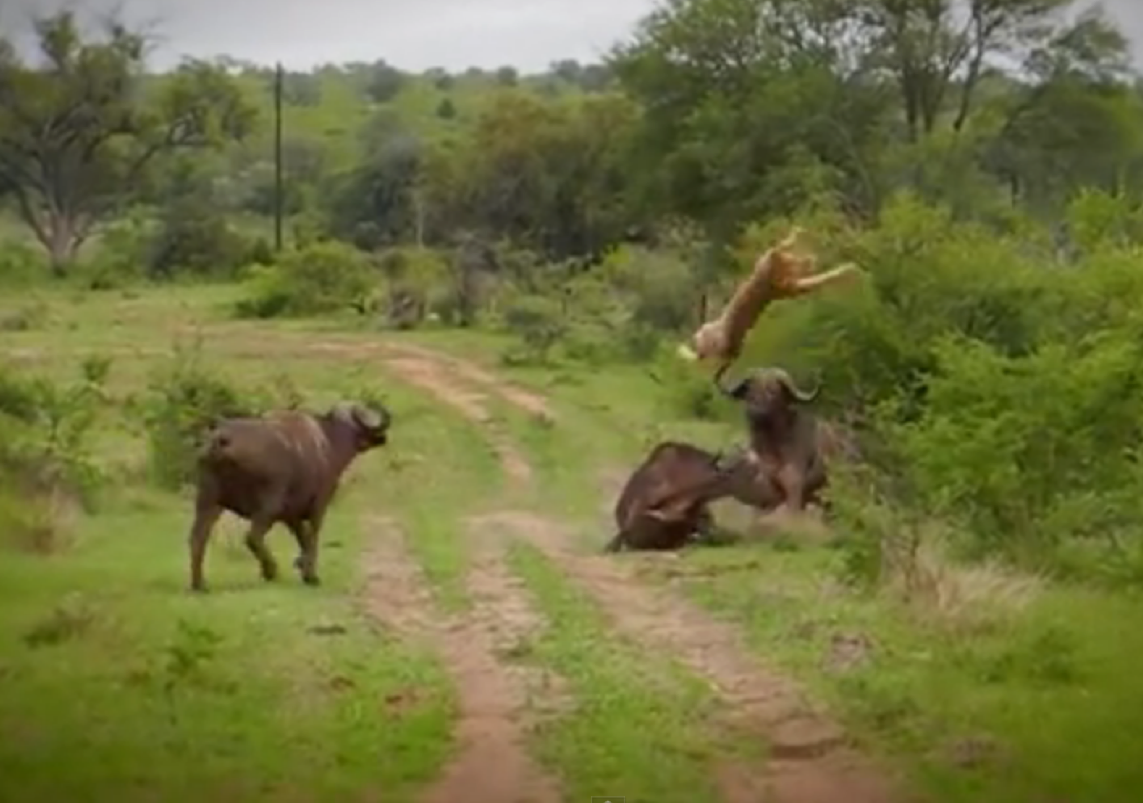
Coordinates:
[661,289]
[22,263]
[319,279]
[995,387]
[121,255]
[1034,450]
[194,237]
[184,399]
[47,466]
[538,323]
[417,280]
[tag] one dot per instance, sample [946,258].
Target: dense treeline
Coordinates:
[983,161]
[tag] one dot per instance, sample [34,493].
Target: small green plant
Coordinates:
[186,660]
[21,264]
[47,465]
[538,323]
[33,315]
[70,619]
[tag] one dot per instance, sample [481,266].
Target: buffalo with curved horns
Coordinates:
[282,467]
[785,441]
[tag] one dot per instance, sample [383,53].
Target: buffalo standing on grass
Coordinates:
[283,467]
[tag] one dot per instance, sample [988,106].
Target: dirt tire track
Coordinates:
[442,363]
[525,400]
[492,765]
[811,761]
[429,376]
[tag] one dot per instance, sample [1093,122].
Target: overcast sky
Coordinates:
[411,34]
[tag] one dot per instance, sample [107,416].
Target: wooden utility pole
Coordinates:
[278,81]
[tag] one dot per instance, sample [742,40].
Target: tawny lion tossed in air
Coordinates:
[779,273]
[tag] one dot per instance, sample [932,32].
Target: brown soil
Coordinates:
[492,764]
[810,759]
[525,400]
[432,376]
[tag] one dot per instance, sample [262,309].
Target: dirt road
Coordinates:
[809,758]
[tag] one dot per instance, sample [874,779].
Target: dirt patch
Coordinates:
[492,765]
[810,762]
[525,400]
[430,376]
[427,375]
[447,364]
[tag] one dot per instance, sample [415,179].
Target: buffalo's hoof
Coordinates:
[269,573]
[200,588]
[311,579]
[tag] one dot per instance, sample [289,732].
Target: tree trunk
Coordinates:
[62,242]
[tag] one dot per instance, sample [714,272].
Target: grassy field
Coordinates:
[470,642]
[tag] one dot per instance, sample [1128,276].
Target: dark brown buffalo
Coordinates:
[283,467]
[785,439]
[665,501]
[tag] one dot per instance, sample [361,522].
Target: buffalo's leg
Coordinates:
[256,543]
[301,529]
[618,543]
[704,526]
[309,547]
[206,514]
[793,486]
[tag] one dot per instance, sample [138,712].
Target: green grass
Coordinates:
[116,678]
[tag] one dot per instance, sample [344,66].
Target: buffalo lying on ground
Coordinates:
[785,439]
[666,499]
[283,467]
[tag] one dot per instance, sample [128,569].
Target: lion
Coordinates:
[779,273]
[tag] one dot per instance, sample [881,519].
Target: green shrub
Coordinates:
[661,289]
[121,256]
[319,279]
[184,398]
[538,324]
[47,466]
[195,238]
[22,263]
[1031,451]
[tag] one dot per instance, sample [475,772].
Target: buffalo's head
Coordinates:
[769,394]
[370,425]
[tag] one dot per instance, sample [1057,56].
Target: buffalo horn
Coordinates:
[800,395]
[737,391]
[371,418]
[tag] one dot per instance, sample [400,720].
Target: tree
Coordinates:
[507,76]
[77,132]
[385,82]
[446,109]
[750,108]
